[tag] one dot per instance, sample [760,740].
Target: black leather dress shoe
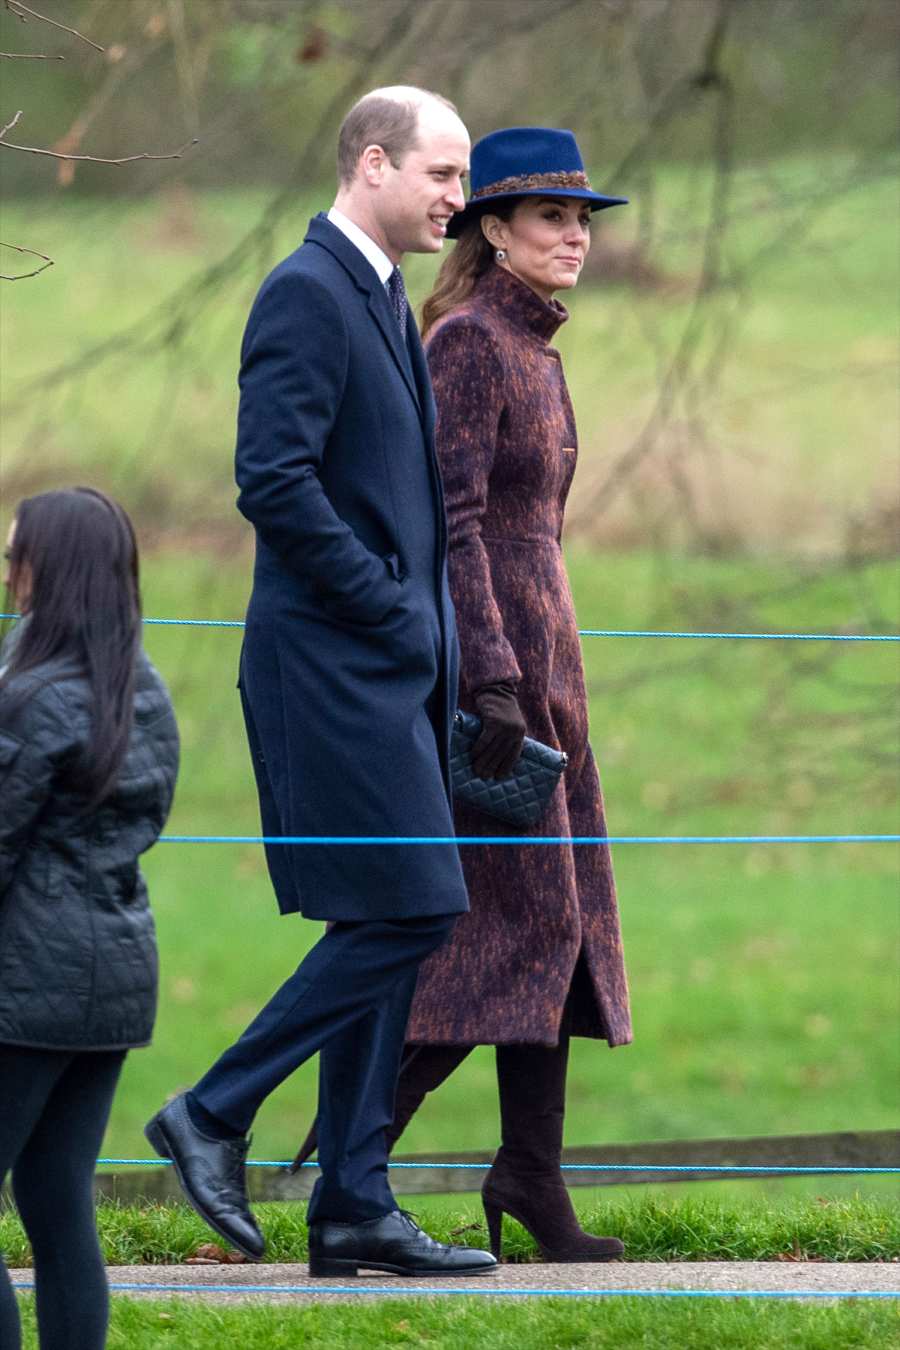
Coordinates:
[392,1243]
[211,1172]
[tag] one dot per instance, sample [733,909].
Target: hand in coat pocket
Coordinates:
[393,588]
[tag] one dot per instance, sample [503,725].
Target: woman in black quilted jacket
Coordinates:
[88,760]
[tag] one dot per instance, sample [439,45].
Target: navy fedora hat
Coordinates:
[526,162]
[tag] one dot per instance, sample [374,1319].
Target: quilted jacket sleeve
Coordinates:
[36,738]
[467,376]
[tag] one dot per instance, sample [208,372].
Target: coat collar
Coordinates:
[368,248]
[321,231]
[519,304]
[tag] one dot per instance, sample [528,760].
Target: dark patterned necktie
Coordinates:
[397,296]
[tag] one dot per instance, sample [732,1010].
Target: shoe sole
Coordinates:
[155,1135]
[324,1267]
[587,1259]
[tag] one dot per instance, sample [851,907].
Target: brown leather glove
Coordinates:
[502,731]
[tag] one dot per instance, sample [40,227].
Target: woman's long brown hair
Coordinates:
[470,259]
[84,608]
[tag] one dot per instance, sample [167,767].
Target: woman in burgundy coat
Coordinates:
[538,958]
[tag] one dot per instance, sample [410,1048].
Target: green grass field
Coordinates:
[542,1324]
[687,1228]
[672,1229]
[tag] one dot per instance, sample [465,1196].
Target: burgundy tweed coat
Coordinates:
[506,444]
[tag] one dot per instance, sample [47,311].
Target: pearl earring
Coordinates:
[500,255]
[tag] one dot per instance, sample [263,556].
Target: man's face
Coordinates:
[416,200]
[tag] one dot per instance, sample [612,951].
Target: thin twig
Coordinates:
[16,8]
[23,276]
[9,126]
[20,276]
[92,159]
[30,56]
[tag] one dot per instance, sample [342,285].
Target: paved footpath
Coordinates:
[291,1283]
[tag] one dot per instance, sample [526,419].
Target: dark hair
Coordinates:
[460,270]
[378,119]
[77,549]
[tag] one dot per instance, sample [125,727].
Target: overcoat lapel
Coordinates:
[380,309]
[422,378]
[321,231]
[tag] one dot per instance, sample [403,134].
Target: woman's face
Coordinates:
[20,594]
[545,240]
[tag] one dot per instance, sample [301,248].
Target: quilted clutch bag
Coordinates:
[519,799]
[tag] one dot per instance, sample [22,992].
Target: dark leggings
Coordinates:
[54,1106]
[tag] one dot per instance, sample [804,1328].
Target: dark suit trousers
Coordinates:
[349,999]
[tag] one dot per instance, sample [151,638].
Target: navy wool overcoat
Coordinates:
[349,664]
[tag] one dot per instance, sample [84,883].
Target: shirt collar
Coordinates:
[366,245]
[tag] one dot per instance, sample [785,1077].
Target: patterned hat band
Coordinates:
[527,182]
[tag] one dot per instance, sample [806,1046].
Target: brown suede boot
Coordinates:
[525,1180]
[423,1068]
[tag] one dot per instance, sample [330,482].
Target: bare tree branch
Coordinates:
[30,56]
[676,377]
[19,10]
[117,75]
[20,276]
[93,159]
[9,126]
[166,322]
[183,63]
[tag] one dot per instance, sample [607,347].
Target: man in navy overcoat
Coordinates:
[348,684]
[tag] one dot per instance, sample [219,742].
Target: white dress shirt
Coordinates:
[366,245]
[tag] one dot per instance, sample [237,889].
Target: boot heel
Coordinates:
[325,1267]
[494,1215]
[155,1137]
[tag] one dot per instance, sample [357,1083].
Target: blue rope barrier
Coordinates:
[620,632]
[198,623]
[343,839]
[416,1289]
[599,632]
[176,623]
[566,1167]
